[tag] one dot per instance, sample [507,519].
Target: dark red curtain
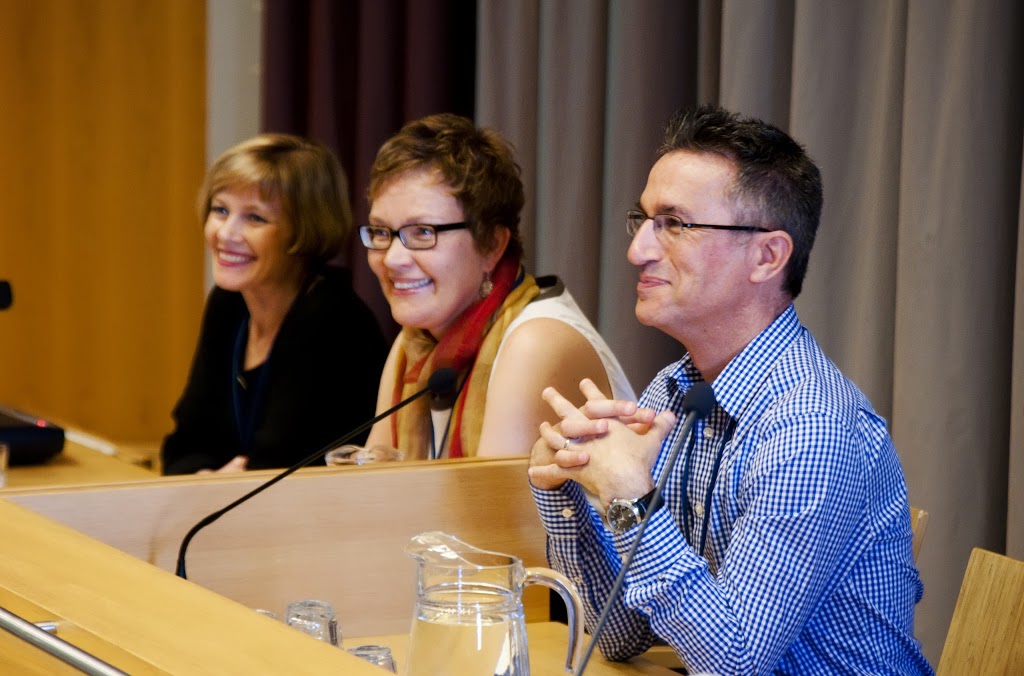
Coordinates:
[349,73]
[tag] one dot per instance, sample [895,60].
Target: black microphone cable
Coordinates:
[697,404]
[440,384]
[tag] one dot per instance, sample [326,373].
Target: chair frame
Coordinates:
[986,635]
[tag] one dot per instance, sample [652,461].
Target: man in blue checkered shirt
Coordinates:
[784,542]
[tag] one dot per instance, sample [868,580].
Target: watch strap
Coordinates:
[646,502]
[635,508]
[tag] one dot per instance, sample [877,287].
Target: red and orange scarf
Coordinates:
[469,346]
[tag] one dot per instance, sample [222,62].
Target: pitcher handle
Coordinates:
[567,590]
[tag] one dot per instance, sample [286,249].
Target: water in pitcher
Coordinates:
[461,636]
[469,610]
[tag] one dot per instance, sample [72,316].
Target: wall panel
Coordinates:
[102,148]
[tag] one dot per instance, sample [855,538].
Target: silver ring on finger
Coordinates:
[565,446]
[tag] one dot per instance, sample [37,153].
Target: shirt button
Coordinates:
[567,512]
[698,509]
[709,432]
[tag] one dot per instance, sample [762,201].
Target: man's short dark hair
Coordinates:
[777,185]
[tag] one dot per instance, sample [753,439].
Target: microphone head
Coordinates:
[699,400]
[442,385]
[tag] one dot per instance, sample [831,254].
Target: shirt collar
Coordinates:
[745,372]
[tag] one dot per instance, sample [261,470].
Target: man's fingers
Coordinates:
[547,477]
[598,405]
[663,424]
[553,437]
[641,421]
[571,457]
[608,408]
[591,391]
[559,404]
[581,427]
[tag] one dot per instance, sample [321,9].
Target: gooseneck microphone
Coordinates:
[697,404]
[441,384]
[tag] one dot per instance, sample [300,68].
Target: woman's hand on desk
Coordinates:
[236,464]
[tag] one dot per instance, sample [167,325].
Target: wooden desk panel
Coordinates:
[330,533]
[136,617]
[336,534]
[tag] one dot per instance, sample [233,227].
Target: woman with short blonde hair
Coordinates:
[288,355]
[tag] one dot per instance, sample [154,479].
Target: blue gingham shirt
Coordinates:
[807,566]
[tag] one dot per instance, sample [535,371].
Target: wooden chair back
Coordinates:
[986,635]
[918,524]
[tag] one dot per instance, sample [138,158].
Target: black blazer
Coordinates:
[320,380]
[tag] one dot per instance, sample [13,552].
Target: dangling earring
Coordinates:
[486,286]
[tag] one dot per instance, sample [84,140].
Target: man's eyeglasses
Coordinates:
[413,236]
[674,225]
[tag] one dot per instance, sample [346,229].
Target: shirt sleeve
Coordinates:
[799,504]
[581,548]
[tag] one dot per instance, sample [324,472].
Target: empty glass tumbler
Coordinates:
[358,455]
[376,654]
[315,618]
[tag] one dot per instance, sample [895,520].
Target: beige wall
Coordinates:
[233,61]
[102,135]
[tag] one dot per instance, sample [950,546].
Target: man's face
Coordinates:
[691,284]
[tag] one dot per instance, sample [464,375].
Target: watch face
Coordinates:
[622,515]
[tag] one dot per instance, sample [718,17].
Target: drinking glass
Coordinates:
[376,654]
[315,618]
[351,454]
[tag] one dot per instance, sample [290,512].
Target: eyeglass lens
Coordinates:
[415,236]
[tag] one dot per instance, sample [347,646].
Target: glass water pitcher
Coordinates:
[469,610]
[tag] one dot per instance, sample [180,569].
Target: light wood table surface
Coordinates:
[548,643]
[143,620]
[74,466]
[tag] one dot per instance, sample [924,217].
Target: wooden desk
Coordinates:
[135,616]
[336,534]
[76,465]
[331,533]
[548,643]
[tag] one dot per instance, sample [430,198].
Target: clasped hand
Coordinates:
[612,446]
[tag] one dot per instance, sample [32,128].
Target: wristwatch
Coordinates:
[624,514]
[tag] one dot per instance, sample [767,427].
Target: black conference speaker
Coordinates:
[30,440]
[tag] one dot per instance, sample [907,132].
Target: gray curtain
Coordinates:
[912,108]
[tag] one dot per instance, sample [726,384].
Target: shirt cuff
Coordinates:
[662,557]
[563,510]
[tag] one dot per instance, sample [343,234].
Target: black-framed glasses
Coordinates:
[413,236]
[674,225]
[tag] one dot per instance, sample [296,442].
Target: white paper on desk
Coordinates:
[89,441]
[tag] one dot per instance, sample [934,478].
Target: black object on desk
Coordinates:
[30,440]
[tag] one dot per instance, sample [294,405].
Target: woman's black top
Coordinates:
[318,382]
